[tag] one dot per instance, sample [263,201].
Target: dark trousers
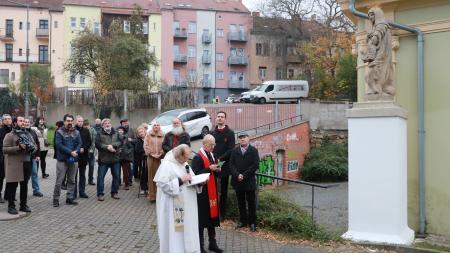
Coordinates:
[249,198]
[80,181]
[142,165]
[224,181]
[91,162]
[126,172]
[42,156]
[211,236]
[11,187]
[2,173]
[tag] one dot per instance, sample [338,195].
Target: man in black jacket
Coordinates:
[83,158]
[6,128]
[244,162]
[225,143]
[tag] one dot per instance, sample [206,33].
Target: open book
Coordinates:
[198,179]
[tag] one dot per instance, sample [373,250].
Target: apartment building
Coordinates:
[45,20]
[208,48]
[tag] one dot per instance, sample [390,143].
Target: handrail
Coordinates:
[271,123]
[323,186]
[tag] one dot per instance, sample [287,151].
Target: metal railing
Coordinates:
[180,58]
[206,37]
[313,185]
[237,60]
[237,84]
[206,83]
[206,58]
[239,36]
[272,125]
[180,33]
[6,34]
[42,32]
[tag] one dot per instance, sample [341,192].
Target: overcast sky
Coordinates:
[251,4]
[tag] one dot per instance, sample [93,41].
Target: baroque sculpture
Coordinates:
[379,74]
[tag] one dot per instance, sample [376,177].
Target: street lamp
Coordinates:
[27,79]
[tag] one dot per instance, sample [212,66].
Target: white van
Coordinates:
[281,90]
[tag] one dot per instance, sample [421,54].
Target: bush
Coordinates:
[328,163]
[279,215]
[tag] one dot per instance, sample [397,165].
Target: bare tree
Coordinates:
[331,14]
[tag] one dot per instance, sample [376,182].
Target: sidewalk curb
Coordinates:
[398,248]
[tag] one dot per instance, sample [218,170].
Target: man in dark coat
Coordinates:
[207,200]
[176,136]
[6,128]
[244,162]
[83,158]
[225,143]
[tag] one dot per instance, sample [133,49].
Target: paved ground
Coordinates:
[125,225]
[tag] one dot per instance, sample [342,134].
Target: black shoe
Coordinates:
[2,200]
[214,248]
[25,208]
[71,202]
[241,225]
[84,196]
[55,203]
[91,183]
[253,227]
[12,210]
[38,194]
[45,175]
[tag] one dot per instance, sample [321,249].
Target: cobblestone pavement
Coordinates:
[125,225]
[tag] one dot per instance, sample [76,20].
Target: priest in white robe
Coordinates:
[176,204]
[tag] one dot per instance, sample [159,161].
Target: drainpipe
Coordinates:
[420,108]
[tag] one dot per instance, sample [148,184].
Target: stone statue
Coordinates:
[380,72]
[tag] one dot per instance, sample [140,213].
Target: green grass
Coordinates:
[426,245]
[51,136]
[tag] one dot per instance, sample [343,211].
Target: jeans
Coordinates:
[91,162]
[102,170]
[34,176]
[135,170]
[63,168]
[80,181]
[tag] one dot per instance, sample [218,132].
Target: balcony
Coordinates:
[180,58]
[206,83]
[181,83]
[42,33]
[206,59]
[295,58]
[33,58]
[6,35]
[239,60]
[237,84]
[206,38]
[240,36]
[180,33]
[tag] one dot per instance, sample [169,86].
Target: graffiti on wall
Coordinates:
[266,166]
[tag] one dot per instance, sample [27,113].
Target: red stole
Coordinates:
[212,192]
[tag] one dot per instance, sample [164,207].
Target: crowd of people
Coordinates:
[158,160]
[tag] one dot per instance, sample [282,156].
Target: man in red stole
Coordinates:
[207,200]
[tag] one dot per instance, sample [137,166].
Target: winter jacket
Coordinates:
[169,139]
[225,143]
[67,140]
[246,165]
[102,140]
[153,144]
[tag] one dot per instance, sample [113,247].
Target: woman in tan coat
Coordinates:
[154,152]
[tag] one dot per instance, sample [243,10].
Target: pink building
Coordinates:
[207,46]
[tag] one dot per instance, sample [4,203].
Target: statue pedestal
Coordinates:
[377,174]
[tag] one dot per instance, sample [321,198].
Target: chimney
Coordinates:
[255,14]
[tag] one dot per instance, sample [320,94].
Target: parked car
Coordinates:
[196,121]
[232,99]
[281,90]
[245,96]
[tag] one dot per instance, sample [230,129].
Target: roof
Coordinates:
[280,26]
[213,5]
[52,5]
[147,5]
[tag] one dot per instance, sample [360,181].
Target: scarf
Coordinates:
[212,190]
[26,139]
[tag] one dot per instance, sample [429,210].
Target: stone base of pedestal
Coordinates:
[378,174]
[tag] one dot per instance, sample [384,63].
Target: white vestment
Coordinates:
[169,198]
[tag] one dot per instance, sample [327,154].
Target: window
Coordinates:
[279,73]
[269,88]
[82,78]
[176,75]
[219,57]
[192,75]
[43,24]
[97,28]
[20,25]
[278,50]
[73,23]
[4,76]
[219,75]
[82,23]
[154,26]
[258,49]
[266,49]
[56,24]
[219,33]
[240,52]
[192,27]
[145,28]
[13,76]
[126,26]
[176,26]
[262,73]
[9,52]
[233,51]
[9,28]
[43,54]
[72,77]
[290,73]
[154,75]
[20,51]
[191,52]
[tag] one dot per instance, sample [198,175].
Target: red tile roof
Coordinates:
[147,5]
[53,5]
[218,5]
